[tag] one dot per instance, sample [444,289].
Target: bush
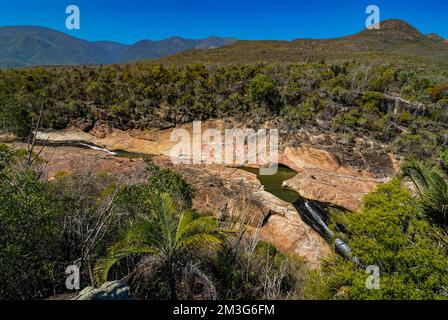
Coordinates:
[263,89]
[46,226]
[390,233]
[171,182]
[29,234]
[444,159]
[250,269]
[14,117]
[439,92]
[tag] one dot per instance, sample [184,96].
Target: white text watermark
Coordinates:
[237,147]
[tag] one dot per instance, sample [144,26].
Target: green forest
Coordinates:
[352,98]
[191,256]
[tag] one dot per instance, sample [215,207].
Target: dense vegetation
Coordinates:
[406,237]
[146,234]
[384,102]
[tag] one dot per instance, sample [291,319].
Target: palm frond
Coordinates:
[186,218]
[104,265]
[195,224]
[204,240]
[162,231]
[164,212]
[432,189]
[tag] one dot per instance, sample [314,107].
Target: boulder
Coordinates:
[112,290]
[322,176]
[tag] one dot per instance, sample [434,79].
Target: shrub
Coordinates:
[171,182]
[29,234]
[263,90]
[389,233]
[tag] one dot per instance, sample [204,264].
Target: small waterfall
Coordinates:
[317,219]
[313,215]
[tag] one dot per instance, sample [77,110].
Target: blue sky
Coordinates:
[132,20]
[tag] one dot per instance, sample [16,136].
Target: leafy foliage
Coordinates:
[263,89]
[29,235]
[161,233]
[171,182]
[249,269]
[444,158]
[432,189]
[46,226]
[348,96]
[390,233]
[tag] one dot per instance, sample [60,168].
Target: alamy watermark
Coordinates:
[73,21]
[72,282]
[373,21]
[373,280]
[238,147]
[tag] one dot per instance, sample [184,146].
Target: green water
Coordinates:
[273,184]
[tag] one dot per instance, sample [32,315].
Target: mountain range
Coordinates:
[396,41]
[25,46]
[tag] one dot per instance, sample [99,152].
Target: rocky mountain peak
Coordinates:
[399,25]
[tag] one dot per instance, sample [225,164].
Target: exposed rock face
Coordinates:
[71,159]
[288,233]
[230,193]
[321,176]
[149,142]
[112,290]
[436,37]
[329,170]
[224,192]
[156,142]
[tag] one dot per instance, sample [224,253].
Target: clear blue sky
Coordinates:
[131,20]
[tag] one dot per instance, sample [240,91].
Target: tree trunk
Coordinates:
[172,283]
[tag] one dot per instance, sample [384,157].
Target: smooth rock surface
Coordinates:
[112,290]
[321,176]
[220,190]
[330,173]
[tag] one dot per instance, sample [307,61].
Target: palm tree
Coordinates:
[166,234]
[432,188]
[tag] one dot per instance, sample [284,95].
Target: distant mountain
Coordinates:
[113,49]
[24,46]
[157,49]
[396,40]
[393,35]
[29,46]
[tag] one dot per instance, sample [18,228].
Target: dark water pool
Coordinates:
[273,184]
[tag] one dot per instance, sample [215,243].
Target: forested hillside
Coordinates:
[388,103]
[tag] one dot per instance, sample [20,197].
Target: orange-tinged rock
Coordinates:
[240,193]
[322,176]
